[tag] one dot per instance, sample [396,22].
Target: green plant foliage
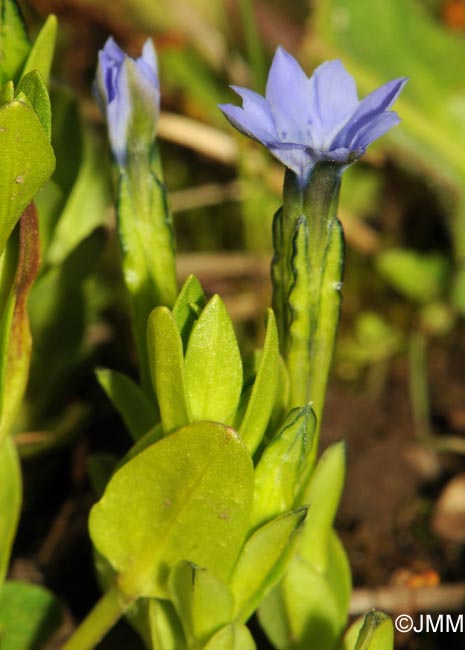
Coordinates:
[231,637]
[262,562]
[311,602]
[213,366]
[41,55]
[187,497]
[281,465]
[373,632]
[166,362]
[189,303]
[203,602]
[137,411]
[10,502]
[29,614]
[421,278]
[263,395]
[14,41]
[27,162]
[33,90]
[15,336]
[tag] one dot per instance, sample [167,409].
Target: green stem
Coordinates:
[418,385]
[307,277]
[99,621]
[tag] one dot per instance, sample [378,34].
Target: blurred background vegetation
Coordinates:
[398,380]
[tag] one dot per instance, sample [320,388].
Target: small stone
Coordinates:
[448,520]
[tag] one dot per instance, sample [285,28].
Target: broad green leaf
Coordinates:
[279,468]
[27,161]
[262,562]
[10,501]
[231,637]
[187,497]
[33,87]
[419,277]
[213,367]
[189,303]
[137,411]
[29,615]
[263,394]
[308,609]
[41,54]
[166,362]
[14,41]
[15,335]
[203,602]
[376,633]
[322,496]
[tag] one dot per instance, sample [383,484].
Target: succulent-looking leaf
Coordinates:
[262,562]
[213,367]
[137,411]
[376,633]
[157,623]
[27,161]
[262,398]
[203,602]
[166,363]
[187,497]
[10,500]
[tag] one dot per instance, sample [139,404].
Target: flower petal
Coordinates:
[373,104]
[118,115]
[254,119]
[334,97]
[288,95]
[377,127]
[298,158]
[149,55]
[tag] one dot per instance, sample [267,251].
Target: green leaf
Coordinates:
[213,367]
[232,637]
[277,473]
[308,609]
[29,614]
[263,395]
[166,362]
[203,602]
[187,497]
[322,496]
[33,87]
[41,55]
[189,303]
[151,437]
[419,277]
[376,633]
[262,562]
[15,335]
[27,161]
[14,41]
[137,411]
[157,623]
[7,93]
[10,501]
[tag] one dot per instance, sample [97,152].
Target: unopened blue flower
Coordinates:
[304,120]
[128,93]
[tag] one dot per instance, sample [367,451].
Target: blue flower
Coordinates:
[128,93]
[304,120]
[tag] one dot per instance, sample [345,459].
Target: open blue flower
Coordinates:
[304,120]
[128,93]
